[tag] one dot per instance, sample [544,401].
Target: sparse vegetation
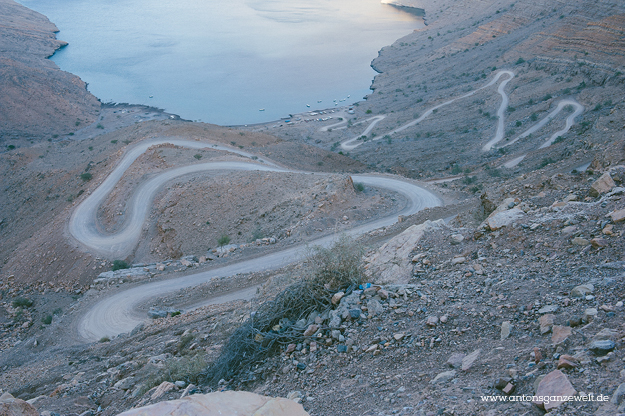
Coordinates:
[257,235]
[197,156]
[22,302]
[223,240]
[46,319]
[120,264]
[100,126]
[86,176]
[273,325]
[467,180]
[520,61]
[546,161]
[188,368]
[105,339]
[359,187]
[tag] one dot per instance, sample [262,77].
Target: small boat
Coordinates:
[308,105]
[318,101]
[262,109]
[151,96]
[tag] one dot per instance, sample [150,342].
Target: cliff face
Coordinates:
[37,99]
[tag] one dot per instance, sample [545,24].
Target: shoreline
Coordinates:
[415,11]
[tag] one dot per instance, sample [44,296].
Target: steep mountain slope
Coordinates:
[37,100]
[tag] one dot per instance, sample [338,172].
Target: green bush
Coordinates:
[47,319]
[22,302]
[188,369]
[368,111]
[468,180]
[86,176]
[520,61]
[105,339]
[545,162]
[120,264]
[197,156]
[359,187]
[184,341]
[223,240]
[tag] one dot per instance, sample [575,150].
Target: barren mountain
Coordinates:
[37,100]
[508,112]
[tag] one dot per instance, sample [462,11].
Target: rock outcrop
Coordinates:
[392,262]
[234,403]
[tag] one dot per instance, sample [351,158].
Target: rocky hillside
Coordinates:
[514,289]
[37,100]
[560,51]
[524,300]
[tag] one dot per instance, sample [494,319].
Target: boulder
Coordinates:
[619,395]
[506,327]
[469,360]
[602,347]
[392,263]
[556,384]
[11,406]
[602,185]
[617,216]
[455,360]
[560,334]
[163,388]
[374,307]
[502,219]
[546,323]
[443,377]
[582,290]
[233,403]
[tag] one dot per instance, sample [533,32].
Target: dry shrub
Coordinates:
[272,326]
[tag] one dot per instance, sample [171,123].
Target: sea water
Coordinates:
[223,61]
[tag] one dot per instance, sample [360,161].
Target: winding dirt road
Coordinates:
[120,312]
[499,133]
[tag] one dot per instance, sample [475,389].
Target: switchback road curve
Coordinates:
[119,313]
